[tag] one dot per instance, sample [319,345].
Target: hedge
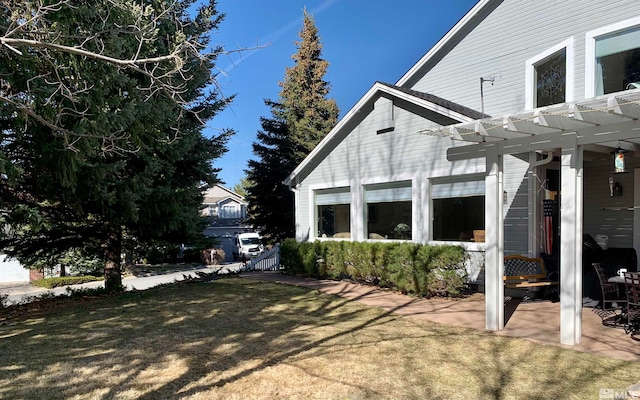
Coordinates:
[422,270]
[51,283]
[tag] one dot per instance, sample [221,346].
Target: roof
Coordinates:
[426,101]
[450,105]
[219,193]
[399,90]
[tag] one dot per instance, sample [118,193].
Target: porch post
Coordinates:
[357,212]
[494,238]
[571,241]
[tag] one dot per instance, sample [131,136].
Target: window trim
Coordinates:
[590,51]
[313,208]
[453,180]
[409,183]
[530,93]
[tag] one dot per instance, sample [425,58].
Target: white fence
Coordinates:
[267,261]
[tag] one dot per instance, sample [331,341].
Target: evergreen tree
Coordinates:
[129,157]
[300,118]
[242,187]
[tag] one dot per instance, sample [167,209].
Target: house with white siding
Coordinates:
[521,104]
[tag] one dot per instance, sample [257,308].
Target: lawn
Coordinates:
[237,338]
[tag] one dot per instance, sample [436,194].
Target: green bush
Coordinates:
[290,257]
[422,270]
[333,257]
[51,283]
[403,273]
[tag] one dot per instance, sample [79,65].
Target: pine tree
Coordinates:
[300,118]
[129,158]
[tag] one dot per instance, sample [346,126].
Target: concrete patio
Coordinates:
[534,320]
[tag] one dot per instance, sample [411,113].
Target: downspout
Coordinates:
[538,163]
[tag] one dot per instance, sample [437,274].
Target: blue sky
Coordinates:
[363,40]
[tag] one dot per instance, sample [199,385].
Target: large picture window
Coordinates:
[333,213]
[617,57]
[458,210]
[388,211]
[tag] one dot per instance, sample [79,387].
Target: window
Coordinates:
[229,211]
[617,57]
[388,211]
[551,80]
[458,209]
[333,213]
[549,76]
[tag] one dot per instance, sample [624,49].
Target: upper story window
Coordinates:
[617,61]
[613,58]
[549,76]
[551,80]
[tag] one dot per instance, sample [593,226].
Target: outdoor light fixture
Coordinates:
[618,160]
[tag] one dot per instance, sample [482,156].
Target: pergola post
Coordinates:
[571,240]
[494,238]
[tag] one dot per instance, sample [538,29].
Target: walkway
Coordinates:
[538,321]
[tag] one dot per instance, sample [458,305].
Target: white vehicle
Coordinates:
[246,245]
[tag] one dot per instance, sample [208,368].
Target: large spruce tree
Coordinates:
[300,118]
[94,147]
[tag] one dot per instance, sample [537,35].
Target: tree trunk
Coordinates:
[112,259]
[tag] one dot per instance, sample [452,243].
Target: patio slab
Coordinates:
[538,321]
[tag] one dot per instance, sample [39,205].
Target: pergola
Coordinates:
[599,124]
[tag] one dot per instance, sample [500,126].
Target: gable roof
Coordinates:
[426,101]
[400,90]
[439,101]
[218,193]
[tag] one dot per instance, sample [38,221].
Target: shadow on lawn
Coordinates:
[202,337]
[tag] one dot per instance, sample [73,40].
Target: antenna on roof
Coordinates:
[491,78]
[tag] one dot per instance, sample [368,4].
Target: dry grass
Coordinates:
[243,339]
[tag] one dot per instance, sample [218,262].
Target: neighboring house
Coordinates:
[520,101]
[12,271]
[224,206]
[228,212]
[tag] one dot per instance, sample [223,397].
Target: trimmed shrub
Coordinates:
[51,283]
[402,270]
[333,255]
[422,270]
[290,257]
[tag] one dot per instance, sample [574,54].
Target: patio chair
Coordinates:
[632,283]
[610,308]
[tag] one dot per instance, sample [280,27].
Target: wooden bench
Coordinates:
[523,272]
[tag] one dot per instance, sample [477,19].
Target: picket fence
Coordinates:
[267,261]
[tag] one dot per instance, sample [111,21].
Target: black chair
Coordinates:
[632,283]
[611,307]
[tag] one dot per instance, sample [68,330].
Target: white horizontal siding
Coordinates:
[513,33]
[604,214]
